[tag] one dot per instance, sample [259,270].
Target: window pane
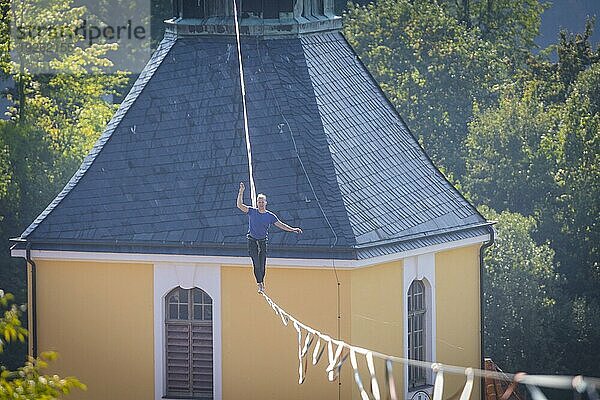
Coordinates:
[197,312]
[183,311]
[183,295]
[208,313]
[197,296]
[172,311]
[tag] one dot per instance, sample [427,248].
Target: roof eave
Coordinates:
[185,248]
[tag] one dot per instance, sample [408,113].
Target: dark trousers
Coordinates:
[257,248]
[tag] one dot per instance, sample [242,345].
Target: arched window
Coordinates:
[189,339]
[417,322]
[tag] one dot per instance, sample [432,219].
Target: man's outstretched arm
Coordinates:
[286,227]
[240,195]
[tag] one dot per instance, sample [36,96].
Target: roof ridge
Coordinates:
[155,61]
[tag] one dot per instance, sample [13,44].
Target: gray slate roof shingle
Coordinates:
[164,175]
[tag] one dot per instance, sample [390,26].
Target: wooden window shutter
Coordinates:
[189,344]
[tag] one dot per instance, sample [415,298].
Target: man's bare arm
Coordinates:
[240,196]
[286,227]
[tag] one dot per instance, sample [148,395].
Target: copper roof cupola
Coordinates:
[257,17]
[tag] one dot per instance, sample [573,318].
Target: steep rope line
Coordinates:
[243,89]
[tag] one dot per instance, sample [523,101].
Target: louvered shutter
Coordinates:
[189,344]
[202,358]
[178,359]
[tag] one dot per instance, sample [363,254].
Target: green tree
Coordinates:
[551,82]
[28,382]
[511,25]
[68,106]
[28,164]
[430,66]
[511,162]
[522,316]
[48,62]
[578,207]
[537,153]
[55,119]
[435,59]
[580,324]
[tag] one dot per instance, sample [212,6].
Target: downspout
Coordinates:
[32,309]
[481,303]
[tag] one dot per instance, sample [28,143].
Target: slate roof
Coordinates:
[329,150]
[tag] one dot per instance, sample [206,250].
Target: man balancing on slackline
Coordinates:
[259,220]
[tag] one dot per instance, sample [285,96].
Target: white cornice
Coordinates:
[227,260]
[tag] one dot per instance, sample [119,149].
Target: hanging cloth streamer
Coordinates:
[389,379]
[243,88]
[301,367]
[438,386]
[466,393]
[317,352]
[374,384]
[359,384]
[332,358]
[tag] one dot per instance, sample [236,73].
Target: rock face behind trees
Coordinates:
[518,133]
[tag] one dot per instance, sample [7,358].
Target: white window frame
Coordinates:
[168,276]
[421,268]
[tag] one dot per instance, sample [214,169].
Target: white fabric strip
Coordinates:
[361,388]
[374,384]
[243,86]
[389,377]
[316,352]
[300,369]
[438,386]
[536,393]
[466,393]
[307,342]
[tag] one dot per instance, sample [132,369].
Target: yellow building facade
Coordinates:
[105,315]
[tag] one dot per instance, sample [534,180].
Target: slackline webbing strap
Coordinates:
[243,88]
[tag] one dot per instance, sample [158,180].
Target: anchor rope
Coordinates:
[243,89]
